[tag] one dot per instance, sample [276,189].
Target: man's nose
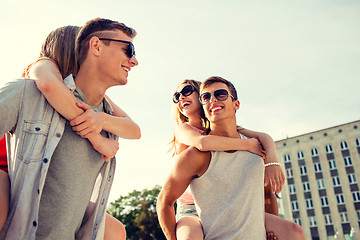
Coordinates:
[134,61]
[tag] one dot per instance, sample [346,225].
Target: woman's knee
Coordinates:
[297,231]
[114,229]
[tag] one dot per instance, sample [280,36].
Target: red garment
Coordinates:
[3,159]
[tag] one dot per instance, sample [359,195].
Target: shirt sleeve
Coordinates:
[11,95]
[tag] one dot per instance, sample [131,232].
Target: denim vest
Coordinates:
[33,130]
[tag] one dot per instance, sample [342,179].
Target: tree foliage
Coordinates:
[137,211]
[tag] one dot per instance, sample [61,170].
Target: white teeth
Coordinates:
[125,69]
[216,108]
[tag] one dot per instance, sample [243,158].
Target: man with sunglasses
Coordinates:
[59,183]
[228,187]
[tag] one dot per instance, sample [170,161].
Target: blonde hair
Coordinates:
[181,118]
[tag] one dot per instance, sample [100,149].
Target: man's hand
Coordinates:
[106,146]
[271,236]
[89,123]
[256,147]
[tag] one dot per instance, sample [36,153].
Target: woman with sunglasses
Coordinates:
[57,61]
[191,130]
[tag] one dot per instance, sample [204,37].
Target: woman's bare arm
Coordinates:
[189,136]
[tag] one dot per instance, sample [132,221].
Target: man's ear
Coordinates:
[94,46]
[236,104]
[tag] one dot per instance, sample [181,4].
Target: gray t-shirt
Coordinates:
[69,183]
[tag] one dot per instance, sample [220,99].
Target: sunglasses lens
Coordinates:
[130,50]
[205,97]
[188,90]
[221,94]
[176,97]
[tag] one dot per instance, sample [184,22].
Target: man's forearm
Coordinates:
[166,215]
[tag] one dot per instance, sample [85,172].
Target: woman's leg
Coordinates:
[189,228]
[4,197]
[283,229]
[188,225]
[114,229]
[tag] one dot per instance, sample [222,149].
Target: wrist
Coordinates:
[272,164]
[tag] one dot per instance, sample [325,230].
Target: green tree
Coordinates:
[137,211]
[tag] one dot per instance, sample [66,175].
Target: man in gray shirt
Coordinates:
[59,183]
[228,187]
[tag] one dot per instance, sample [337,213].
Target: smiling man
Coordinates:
[228,187]
[59,183]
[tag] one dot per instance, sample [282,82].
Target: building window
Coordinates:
[312,221]
[344,145]
[356,196]
[336,181]
[328,148]
[321,184]
[358,215]
[286,158]
[309,204]
[300,155]
[340,199]
[324,201]
[344,217]
[332,164]
[352,178]
[297,221]
[314,152]
[328,220]
[289,173]
[292,189]
[306,186]
[303,170]
[317,167]
[347,161]
[294,206]
[357,142]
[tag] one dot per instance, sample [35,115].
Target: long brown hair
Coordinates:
[59,45]
[181,118]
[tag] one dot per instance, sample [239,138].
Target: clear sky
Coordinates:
[296,64]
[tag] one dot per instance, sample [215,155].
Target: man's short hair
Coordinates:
[216,79]
[99,27]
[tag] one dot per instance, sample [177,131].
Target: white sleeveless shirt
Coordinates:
[229,196]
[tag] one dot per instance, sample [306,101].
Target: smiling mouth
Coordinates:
[215,109]
[126,69]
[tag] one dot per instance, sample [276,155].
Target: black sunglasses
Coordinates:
[220,94]
[130,51]
[186,91]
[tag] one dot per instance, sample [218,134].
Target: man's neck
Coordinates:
[226,128]
[90,84]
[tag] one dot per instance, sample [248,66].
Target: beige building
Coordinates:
[323,176]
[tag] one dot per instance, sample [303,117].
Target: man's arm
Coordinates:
[272,173]
[190,163]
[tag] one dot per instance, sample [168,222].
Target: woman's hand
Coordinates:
[274,176]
